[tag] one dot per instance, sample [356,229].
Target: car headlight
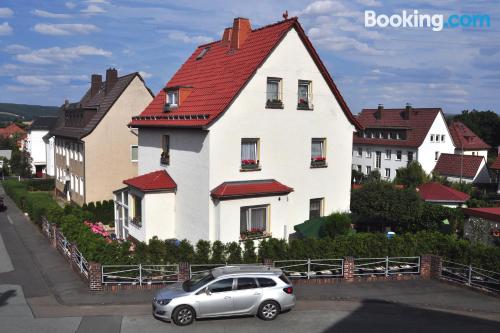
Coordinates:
[162,301]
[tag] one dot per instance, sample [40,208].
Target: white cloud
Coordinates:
[145,75]
[6,12]
[97,1]
[70,5]
[5,29]
[46,14]
[327,8]
[369,3]
[65,29]
[93,9]
[48,80]
[15,49]
[58,54]
[8,69]
[181,36]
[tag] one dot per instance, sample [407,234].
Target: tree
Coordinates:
[335,224]
[357,176]
[485,124]
[374,176]
[20,163]
[411,176]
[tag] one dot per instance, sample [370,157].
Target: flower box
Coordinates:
[304,105]
[274,104]
[254,234]
[318,161]
[249,164]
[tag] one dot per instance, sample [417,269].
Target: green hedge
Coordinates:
[102,211]
[95,248]
[40,184]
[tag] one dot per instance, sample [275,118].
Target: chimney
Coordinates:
[95,84]
[111,78]
[407,111]
[378,113]
[226,36]
[241,30]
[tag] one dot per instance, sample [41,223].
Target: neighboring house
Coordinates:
[442,195]
[94,148]
[391,138]
[482,224]
[249,138]
[5,154]
[35,144]
[467,141]
[14,130]
[495,166]
[463,168]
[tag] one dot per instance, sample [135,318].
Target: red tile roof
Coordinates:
[153,181]
[489,213]
[454,165]
[249,189]
[436,192]
[10,130]
[464,137]
[218,77]
[417,126]
[496,164]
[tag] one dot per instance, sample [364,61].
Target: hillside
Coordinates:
[11,111]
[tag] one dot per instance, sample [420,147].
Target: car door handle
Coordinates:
[227,297]
[256,293]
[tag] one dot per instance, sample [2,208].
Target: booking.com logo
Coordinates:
[413,19]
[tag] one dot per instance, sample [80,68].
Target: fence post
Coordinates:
[140,274]
[469,279]
[183,271]
[430,266]
[308,268]
[73,260]
[95,276]
[349,269]
[386,266]
[53,240]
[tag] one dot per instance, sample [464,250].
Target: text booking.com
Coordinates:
[414,19]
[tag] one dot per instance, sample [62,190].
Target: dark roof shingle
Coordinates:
[436,192]
[456,165]
[464,137]
[153,181]
[249,189]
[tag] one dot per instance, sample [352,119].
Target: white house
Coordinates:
[249,138]
[463,168]
[392,138]
[35,145]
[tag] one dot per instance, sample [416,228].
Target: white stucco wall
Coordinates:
[50,154]
[229,214]
[483,152]
[426,151]
[393,164]
[139,233]
[189,168]
[36,147]
[285,137]
[159,211]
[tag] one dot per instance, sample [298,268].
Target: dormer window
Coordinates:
[173,97]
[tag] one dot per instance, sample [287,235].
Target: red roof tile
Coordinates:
[464,137]
[249,189]
[496,164]
[153,181]
[218,77]
[454,165]
[489,213]
[417,126]
[10,130]
[437,192]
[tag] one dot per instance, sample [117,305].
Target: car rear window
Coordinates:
[246,283]
[263,282]
[285,279]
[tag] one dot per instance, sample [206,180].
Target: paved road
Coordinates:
[40,293]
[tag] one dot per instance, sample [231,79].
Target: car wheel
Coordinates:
[183,315]
[269,310]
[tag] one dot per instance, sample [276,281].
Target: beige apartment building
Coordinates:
[94,147]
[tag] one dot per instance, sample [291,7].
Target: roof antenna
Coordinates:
[285,15]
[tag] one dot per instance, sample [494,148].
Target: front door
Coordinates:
[246,296]
[219,300]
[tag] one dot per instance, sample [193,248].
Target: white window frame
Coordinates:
[388,154]
[387,173]
[443,137]
[80,156]
[378,159]
[81,186]
[321,206]
[248,217]
[368,152]
[400,152]
[437,138]
[173,97]
[368,169]
[131,154]
[360,151]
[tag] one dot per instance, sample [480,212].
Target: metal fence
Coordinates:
[471,276]
[63,244]
[386,266]
[139,274]
[311,268]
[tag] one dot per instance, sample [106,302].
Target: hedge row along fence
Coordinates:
[365,245]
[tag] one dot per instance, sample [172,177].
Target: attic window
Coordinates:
[202,53]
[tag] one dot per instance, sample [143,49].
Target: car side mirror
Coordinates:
[208,292]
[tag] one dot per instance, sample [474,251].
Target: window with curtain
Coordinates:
[249,153]
[253,219]
[304,95]
[318,156]
[315,208]
[273,93]
[173,97]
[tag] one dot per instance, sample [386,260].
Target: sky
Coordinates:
[49,48]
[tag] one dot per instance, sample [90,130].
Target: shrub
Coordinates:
[41,184]
[202,252]
[336,224]
[233,253]
[218,251]
[249,254]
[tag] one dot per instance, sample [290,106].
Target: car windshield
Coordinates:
[197,281]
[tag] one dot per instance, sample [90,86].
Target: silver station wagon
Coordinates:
[226,291]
